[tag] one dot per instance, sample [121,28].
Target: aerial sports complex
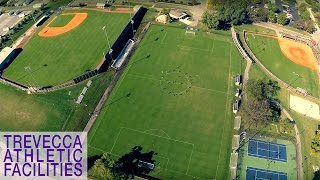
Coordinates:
[174,92]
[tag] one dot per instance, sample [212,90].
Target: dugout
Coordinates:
[42,20]
[7,55]
[123,38]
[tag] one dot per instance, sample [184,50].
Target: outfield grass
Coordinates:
[254,28]
[50,61]
[267,50]
[288,167]
[61,20]
[191,133]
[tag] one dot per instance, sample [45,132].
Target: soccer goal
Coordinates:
[190,31]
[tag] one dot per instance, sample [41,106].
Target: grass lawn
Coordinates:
[61,20]
[253,28]
[174,98]
[288,167]
[267,50]
[55,111]
[54,60]
[307,127]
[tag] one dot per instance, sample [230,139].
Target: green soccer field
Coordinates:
[267,50]
[50,61]
[174,98]
[288,167]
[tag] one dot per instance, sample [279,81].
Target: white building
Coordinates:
[177,14]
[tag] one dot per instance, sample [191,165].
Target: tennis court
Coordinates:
[263,174]
[267,150]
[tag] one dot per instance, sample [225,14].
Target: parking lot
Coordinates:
[8,21]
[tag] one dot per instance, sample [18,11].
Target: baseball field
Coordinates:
[292,62]
[68,45]
[174,98]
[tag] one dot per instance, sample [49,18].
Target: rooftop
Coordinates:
[5,53]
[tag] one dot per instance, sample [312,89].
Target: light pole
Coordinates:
[110,52]
[133,31]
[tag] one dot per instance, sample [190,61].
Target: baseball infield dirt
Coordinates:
[55,31]
[298,52]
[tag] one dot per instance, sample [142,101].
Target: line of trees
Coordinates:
[305,23]
[126,167]
[225,13]
[261,106]
[315,144]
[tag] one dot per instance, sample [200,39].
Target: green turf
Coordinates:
[267,50]
[61,20]
[253,28]
[174,98]
[288,167]
[54,111]
[50,61]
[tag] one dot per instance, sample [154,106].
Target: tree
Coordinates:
[261,106]
[305,15]
[299,24]
[315,144]
[102,168]
[126,167]
[272,17]
[257,1]
[257,111]
[227,13]
[282,19]
[309,26]
[316,175]
[165,11]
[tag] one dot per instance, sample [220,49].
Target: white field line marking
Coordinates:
[226,110]
[116,140]
[184,142]
[212,46]
[210,89]
[190,160]
[158,130]
[190,48]
[150,78]
[163,38]
[114,94]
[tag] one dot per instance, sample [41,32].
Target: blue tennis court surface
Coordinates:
[263,174]
[267,150]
